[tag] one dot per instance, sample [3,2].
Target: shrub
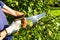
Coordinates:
[48,28]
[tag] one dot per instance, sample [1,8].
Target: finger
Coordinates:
[19,13]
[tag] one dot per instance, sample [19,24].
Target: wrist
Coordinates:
[3,33]
[6,32]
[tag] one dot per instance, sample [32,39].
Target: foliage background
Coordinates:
[48,28]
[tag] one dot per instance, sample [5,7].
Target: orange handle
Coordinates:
[25,23]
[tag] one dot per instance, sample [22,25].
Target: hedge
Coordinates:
[48,28]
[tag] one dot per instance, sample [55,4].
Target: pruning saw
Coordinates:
[33,19]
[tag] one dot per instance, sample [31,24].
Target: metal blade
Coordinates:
[36,17]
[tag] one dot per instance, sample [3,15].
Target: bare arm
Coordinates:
[3,34]
[10,11]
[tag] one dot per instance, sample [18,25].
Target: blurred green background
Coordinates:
[48,28]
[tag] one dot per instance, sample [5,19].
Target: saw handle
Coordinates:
[23,21]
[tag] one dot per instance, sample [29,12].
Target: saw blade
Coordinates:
[36,17]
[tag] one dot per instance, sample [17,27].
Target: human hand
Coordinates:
[19,13]
[14,27]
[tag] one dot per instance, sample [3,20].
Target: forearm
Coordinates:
[3,34]
[10,11]
[14,27]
